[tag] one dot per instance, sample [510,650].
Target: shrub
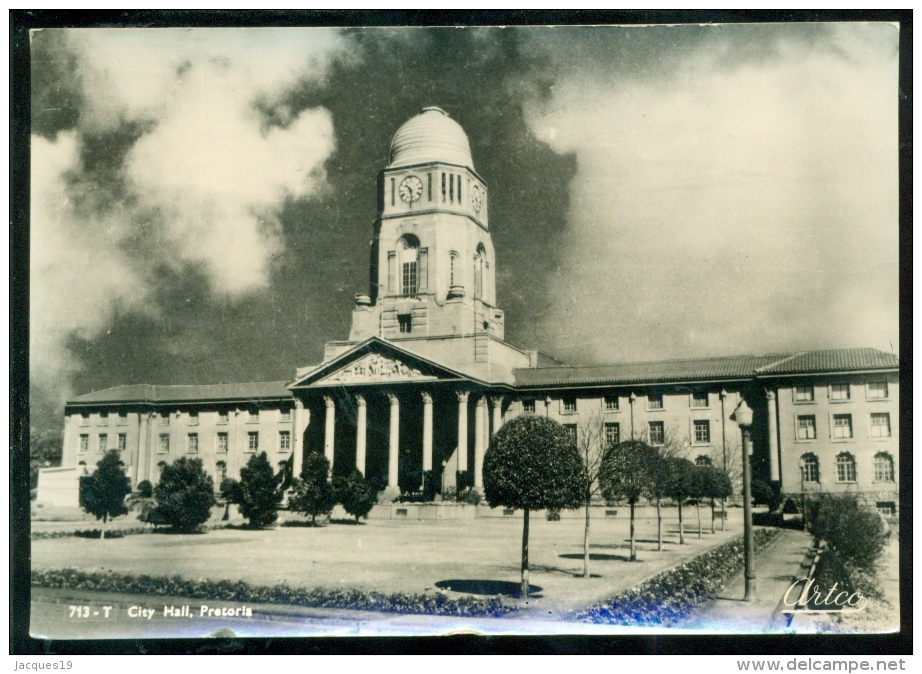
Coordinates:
[679,483]
[145,489]
[355,493]
[765,494]
[854,533]
[626,474]
[259,495]
[103,493]
[553,514]
[184,495]
[312,493]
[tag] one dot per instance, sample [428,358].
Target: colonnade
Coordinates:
[483,429]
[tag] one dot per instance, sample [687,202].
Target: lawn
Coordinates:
[479,556]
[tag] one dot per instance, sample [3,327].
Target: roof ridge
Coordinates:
[668,360]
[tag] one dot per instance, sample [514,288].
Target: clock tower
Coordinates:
[432,258]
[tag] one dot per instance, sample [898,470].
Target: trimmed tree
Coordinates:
[533,464]
[627,475]
[716,484]
[184,494]
[679,484]
[356,494]
[259,495]
[312,493]
[103,493]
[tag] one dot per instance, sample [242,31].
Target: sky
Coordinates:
[202,200]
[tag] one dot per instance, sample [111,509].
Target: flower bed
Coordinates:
[240,591]
[671,595]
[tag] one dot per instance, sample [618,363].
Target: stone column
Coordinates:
[427,431]
[296,438]
[462,429]
[772,436]
[360,426]
[394,443]
[496,402]
[479,448]
[329,430]
[142,470]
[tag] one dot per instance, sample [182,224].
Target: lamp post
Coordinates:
[743,418]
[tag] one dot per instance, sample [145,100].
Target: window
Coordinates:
[569,405]
[841,426]
[571,432]
[122,418]
[883,468]
[806,427]
[459,189]
[164,445]
[528,406]
[443,188]
[886,508]
[611,403]
[699,399]
[657,433]
[253,416]
[193,418]
[220,471]
[703,460]
[408,251]
[845,467]
[393,191]
[429,188]
[803,394]
[451,188]
[103,418]
[192,443]
[122,442]
[103,442]
[612,434]
[880,425]
[702,430]
[284,441]
[839,392]
[655,401]
[222,443]
[252,441]
[877,390]
[84,442]
[409,278]
[85,419]
[285,414]
[405,323]
[165,419]
[453,278]
[223,417]
[809,468]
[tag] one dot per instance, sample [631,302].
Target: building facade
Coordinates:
[426,377]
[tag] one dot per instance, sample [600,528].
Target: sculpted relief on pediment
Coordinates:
[375,367]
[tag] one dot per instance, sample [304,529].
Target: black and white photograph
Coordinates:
[415,331]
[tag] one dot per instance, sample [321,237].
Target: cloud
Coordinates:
[731,205]
[163,164]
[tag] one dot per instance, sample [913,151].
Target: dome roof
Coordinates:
[431,136]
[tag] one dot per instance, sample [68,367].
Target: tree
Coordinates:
[184,494]
[312,493]
[591,445]
[356,494]
[144,502]
[44,451]
[669,447]
[627,475]
[103,493]
[715,485]
[532,463]
[259,495]
[230,493]
[678,484]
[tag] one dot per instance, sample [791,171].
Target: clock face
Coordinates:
[411,188]
[476,198]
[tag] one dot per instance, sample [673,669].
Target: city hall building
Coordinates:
[425,378]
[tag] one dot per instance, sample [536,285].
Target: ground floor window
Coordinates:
[809,468]
[883,468]
[220,470]
[703,460]
[612,434]
[252,441]
[845,467]
[284,441]
[886,508]
[657,433]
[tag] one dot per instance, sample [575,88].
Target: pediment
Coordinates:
[377,362]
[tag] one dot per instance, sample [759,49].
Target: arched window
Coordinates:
[703,460]
[220,470]
[454,276]
[883,467]
[809,468]
[408,259]
[480,259]
[845,467]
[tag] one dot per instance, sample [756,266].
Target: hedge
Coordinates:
[670,596]
[241,591]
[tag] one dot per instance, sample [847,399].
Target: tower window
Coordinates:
[409,278]
[459,189]
[409,254]
[405,322]
[443,188]
[393,192]
[429,186]
[451,188]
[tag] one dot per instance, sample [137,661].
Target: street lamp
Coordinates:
[743,418]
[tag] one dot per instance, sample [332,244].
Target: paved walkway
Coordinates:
[776,568]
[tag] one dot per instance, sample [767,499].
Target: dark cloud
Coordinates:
[57,95]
